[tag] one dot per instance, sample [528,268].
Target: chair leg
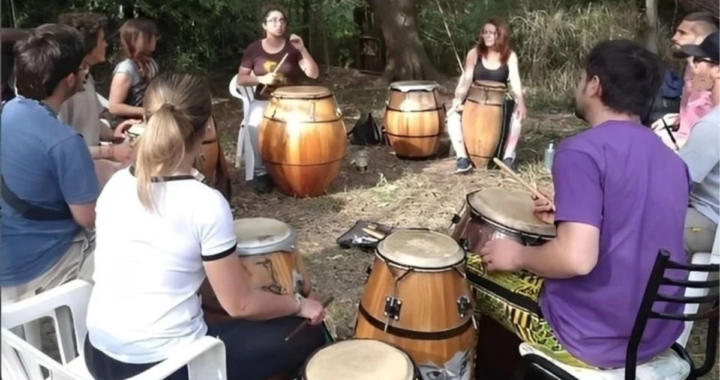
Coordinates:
[698,258]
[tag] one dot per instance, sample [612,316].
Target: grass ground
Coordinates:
[392,191]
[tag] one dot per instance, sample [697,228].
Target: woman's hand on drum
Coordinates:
[313,310]
[120,130]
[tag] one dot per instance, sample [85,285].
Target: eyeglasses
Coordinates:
[488,33]
[697,60]
[277,21]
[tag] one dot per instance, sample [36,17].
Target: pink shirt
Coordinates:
[693,106]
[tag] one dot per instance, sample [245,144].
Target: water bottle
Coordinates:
[549,155]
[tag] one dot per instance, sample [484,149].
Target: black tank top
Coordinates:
[500,74]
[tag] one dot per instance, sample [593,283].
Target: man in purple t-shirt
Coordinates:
[620,196]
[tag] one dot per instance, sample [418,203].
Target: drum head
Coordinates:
[301,92]
[414,85]
[513,209]
[421,249]
[489,84]
[257,236]
[359,359]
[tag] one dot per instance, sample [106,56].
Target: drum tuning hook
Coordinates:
[464,306]
[392,308]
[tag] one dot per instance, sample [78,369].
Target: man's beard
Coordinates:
[702,83]
[579,112]
[677,52]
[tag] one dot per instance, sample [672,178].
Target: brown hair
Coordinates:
[177,107]
[131,31]
[87,23]
[502,40]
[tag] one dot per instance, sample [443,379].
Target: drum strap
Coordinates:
[412,334]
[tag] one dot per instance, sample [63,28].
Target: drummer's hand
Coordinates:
[267,79]
[122,153]
[502,255]
[296,41]
[313,310]
[544,210]
[120,130]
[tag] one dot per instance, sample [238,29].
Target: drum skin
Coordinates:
[271,272]
[302,140]
[414,122]
[429,305]
[482,121]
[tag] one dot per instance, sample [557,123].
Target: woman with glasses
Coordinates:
[259,68]
[493,60]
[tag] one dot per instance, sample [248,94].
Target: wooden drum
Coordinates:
[482,121]
[270,261]
[414,118]
[417,299]
[359,359]
[302,140]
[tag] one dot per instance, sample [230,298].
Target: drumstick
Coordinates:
[517,178]
[276,70]
[375,234]
[305,322]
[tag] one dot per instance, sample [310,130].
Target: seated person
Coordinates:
[694,103]
[610,182]
[256,69]
[49,182]
[82,111]
[702,152]
[145,302]
[138,38]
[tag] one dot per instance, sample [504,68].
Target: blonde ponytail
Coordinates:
[178,107]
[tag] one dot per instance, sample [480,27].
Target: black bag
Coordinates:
[367,132]
[357,237]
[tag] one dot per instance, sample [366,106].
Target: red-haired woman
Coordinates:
[492,59]
[138,38]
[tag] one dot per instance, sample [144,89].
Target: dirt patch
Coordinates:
[395,192]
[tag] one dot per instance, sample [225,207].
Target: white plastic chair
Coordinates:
[702,258]
[205,358]
[245,152]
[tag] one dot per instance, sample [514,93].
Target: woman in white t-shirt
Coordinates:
[159,232]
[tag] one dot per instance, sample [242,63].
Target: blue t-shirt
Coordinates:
[45,163]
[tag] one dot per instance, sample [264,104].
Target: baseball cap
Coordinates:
[708,49]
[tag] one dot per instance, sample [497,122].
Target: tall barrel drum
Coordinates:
[302,140]
[414,118]
[417,298]
[482,121]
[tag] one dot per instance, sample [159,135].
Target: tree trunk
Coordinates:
[651,18]
[406,56]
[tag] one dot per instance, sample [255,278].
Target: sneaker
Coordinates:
[263,184]
[510,162]
[463,165]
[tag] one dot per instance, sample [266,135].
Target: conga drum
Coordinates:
[302,140]
[270,262]
[417,298]
[500,214]
[359,359]
[414,118]
[482,121]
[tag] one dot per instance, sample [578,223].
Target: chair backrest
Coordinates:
[246,93]
[658,278]
[31,360]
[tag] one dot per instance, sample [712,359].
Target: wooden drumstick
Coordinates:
[305,322]
[375,234]
[519,179]
[276,70]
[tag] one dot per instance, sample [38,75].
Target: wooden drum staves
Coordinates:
[414,119]
[417,298]
[482,121]
[302,140]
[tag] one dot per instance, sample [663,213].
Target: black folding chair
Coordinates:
[539,365]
